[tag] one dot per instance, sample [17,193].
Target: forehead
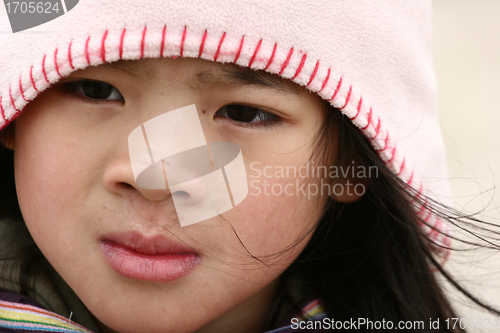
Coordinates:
[204,73]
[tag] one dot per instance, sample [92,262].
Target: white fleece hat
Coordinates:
[370,59]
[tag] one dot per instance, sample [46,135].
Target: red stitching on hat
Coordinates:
[87,50]
[216,56]
[103,46]
[32,80]
[55,63]
[43,69]
[325,81]
[255,53]
[122,37]
[164,32]
[203,43]
[12,100]
[272,57]
[419,194]
[369,120]
[69,55]
[420,190]
[437,225]
[393,155]
[302,61]
[385,142]
[21,88]
[433,233]
[377,130]
[313,75]
[2,111]
[337,89]
[348,97]
[183,39]
[287,60]
[360,103]
[411,177]
[427,217]
[401,168]
[143,40]
[423,206]
[339,84]
[239,49]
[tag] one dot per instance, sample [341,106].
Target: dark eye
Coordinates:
[93,90]
[100,90]
[245,114]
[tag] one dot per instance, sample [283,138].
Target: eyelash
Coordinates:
[77,89]
[265,119]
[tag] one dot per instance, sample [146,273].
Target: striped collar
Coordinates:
[17,316]
[312,311]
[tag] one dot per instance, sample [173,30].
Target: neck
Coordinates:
[248,316]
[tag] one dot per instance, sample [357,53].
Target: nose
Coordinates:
[153,183]
[119,178]
[169,157]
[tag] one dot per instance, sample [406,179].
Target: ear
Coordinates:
[348,190]
[7,136]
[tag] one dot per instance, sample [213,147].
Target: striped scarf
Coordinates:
[17,316]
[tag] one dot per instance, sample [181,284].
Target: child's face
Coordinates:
[77,192]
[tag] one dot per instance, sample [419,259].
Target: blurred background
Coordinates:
[467,62]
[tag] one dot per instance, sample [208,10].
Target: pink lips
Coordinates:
[148,258]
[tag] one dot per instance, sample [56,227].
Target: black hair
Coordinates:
[371,258]
[9,207]
[9,210]
[367,259]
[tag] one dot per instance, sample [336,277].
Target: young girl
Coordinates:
[330,105]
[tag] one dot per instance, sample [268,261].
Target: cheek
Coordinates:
[281,218]
[276,216]
[52,175]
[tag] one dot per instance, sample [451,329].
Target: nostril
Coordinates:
[124,186]
[181,196]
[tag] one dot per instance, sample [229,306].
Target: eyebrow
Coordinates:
[233,75]
[230,75]
[129,67]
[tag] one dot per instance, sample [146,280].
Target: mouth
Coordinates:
[155,258]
